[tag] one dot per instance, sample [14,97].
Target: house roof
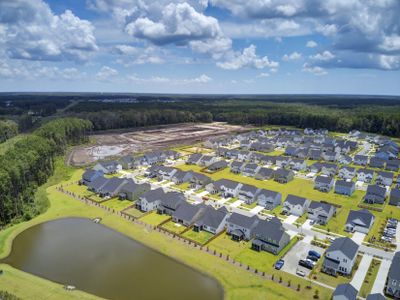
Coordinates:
[195,157]
[242,220]
[248,188]
[187,211]
[98,182]
[385,174]
[366,171]
[265,172]
[267,193]
[362,216]
[394,271]
[212,217]
[324,179]
[346,290]
[153,195]
[294,200]
[131,186]
[344,183]
[376,296]
[172,199]
[227,183]
[282,172]
[237,164]
[376,190]
[88,174]
[272,230]
[346,245]
[315,205]
[112,185]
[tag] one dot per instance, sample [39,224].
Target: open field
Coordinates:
[149,139]
[237,283]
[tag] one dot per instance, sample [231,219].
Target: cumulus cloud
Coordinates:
[202,79]
[106,73]
[30,30]
[324,56]
[247,58]
[130,55]
[293,56]
[311,44]
[316,70]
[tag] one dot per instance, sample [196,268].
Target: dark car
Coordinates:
[279,264]
[305,264]
[314,253]
[312,257]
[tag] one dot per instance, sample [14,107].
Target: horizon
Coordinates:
[212,47]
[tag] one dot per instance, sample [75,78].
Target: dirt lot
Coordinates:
[153,138]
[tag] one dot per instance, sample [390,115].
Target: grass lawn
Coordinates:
[249,206]
[154,218]
[201,237]
[337,223]
[80,190]
[370,278]
[237,283]
[232,200]
[117,204]
[301,220]
[318,275]
[134,212]
[174,227]
[184,186]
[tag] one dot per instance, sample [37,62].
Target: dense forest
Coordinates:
[30,162]
[8,129]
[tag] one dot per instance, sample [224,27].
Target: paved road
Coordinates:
[362,270]
[380,280]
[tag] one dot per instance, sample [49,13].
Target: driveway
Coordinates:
[358,237]
[362,270]
[380,280]
[398,237]
[236,203]
[307,225]
[290,219]
[299,251]
[257,209]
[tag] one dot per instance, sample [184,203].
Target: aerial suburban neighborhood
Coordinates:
[306,197]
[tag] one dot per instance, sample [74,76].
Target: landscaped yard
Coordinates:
[370,278]
[154,218]
[80,190]
[134,212]
[249,206]
[332,281]
[184,186]
[337,223]
[174,227]
[117,204]
[201,237]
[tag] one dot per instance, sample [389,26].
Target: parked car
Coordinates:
[314,253]
[305,264]
[300,273]
[312,257]
[279,264]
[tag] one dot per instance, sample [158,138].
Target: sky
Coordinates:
[201,46]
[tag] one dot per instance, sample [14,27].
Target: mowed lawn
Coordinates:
[134,212]
[117,204]
[154,218]
[370,278]
[174,227]
[201,237]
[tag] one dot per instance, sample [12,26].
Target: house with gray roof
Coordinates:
[394,197]
[347,172]
[217,166]
[384,178]
[393,165]
[376,162]
[247,193]
[199,181]
[207,160]
[227,188]
[393,278]
[330,156]
[315,154]
[96,184]
[345,291]
[323,183]
[270,236]
[376,296]
[361,160]
[180,176]
[295,205]
[360,221]
[298,164]
[329,169]
[170,202]
[264,173]
[112,187]
[320,212]
[186,213]
[340,257]
[250,169]
[194,159]
[126,162]
[150,200]
[375,194]
[282,162]
[154,157]
[268,199]
[365,175]
[165,173]
[89,176]
[343,187]
[240,227]
[345,159]
[283,176]
[212,220]
[108,167]
[131,190]
[237,167]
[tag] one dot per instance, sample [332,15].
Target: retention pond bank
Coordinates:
[103,262]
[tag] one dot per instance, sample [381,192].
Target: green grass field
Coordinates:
[174,227]
[154,218]
[201,237]
[117,204]
[134,212]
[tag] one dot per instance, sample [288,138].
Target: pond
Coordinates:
[103,262]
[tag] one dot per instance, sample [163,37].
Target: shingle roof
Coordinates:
[153,195]
[346,290]
[344,183]
[394,271]
[324,179]
[376,190]
[98,182]
[187,211]
[363,215]
[212,217]
[112,185]
[320,206]
[376,296]
[269,230]
[345,245]
[242,220]
[294,200]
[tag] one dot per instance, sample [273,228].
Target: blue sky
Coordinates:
[201,46]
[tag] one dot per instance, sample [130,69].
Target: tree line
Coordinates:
[30,162]
[8,129]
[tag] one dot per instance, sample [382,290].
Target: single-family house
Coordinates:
[212,220]
[96,184]
[298,164]
[393,278]
[295,205]
[345,159]
[343,187]
[329,169]
[283,176]
[112,187]
[150,200]
[320,212]
[89,176]
[393,165]
[270,236]
[199,181]
[240,227]
[315,167]
[375,194]
[165,173]
[194,159]
[345,291]
[347,173]
[376,162]
[365,175]
[330,156]
[268,199]
[131,190]
[394,197]
[170,202]
[340,257]
[127,162]
[186,213]
[207,160]
[384,178]
[237,167]
[323,183]
[217,166]
[247,193]
[315,154]
[360,221]
[361,160]
[180,176]
[108,167]
[376,296]
[264,173]
[250,169]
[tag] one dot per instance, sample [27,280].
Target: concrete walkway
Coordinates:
[398,237]
[362,270]
[256,209]
[380,280]
[290,219]
[236,203]
[358,237]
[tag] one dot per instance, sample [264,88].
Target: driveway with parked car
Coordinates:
[297,253]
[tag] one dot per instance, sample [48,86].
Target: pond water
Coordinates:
[103,262]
